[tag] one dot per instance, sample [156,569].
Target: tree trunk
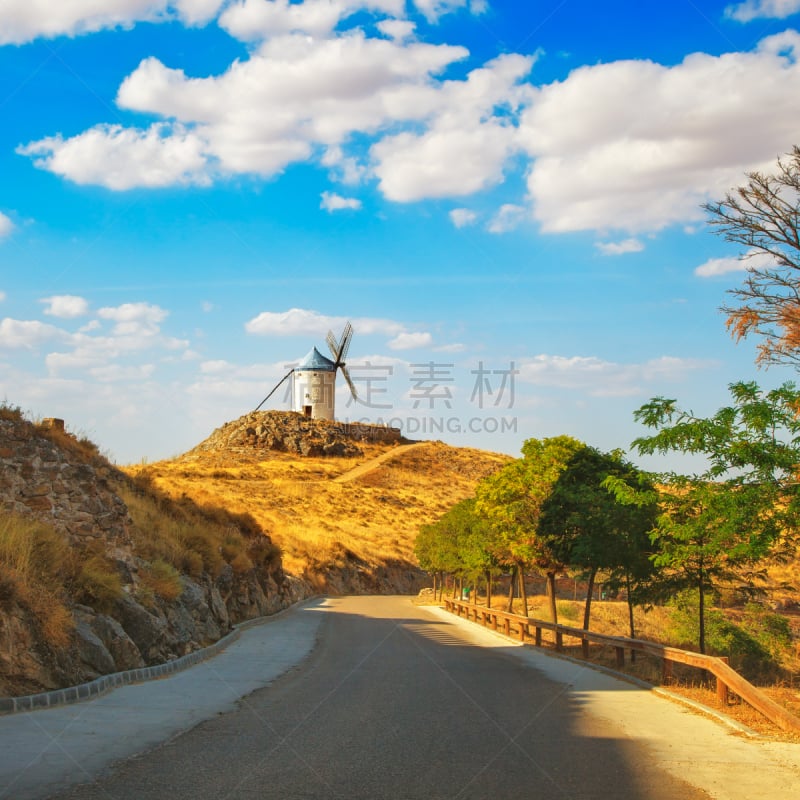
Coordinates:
[435,587]
[488,588]
[455,588]
[523,592]
[587,609]
[702,611]
[551,595]
[631,625]
[510,606]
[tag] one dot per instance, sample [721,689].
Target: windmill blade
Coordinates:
[344,346]
[332,343]
[349,382]
[274,389]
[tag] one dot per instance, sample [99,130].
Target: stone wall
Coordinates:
[40,478]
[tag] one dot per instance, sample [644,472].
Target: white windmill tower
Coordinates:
[314,378]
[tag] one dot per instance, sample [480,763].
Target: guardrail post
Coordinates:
[538,639]
[585,647]
[506,626]
[559,641]
[494,622]
[523,629]
[666,671]
[619,652]
[722,689]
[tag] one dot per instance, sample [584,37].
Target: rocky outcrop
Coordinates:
[290,432]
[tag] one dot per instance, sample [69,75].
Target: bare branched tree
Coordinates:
[763,216]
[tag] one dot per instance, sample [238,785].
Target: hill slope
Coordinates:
[345,523]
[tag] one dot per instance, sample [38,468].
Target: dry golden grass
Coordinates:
[320,523]
[35,563]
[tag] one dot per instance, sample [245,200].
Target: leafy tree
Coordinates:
[744,507]
[763,216]
[512,500]
[586,526]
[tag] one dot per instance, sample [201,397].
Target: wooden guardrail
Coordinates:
[727,679]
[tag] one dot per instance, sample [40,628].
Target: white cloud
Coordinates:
[722,266]
[24,20]
[602,378]
[637,146]
[335,202]
[620,248]
[302,322]
[28,334]
[6,225]
[433,9]
[508,217]
[134,319]
[462,217]
[2,296]
[397,28]
[762,9]
[124,158]
[65,306]
[410,341]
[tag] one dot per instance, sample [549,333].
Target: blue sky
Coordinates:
[193,192]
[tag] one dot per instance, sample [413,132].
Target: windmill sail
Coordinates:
[339,349]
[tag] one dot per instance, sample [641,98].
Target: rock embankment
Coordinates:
[290,432]
[45,474]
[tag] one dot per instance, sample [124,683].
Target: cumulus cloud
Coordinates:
[335,202]
[124,158]
[134,319]
[762,9]
[722,266]
[620,248]
[508,217]
[305,322]
[602,378]
[637,146]
[65,306]
[6,225]
[462,217]
[28,334]
[25,20]
[410,341]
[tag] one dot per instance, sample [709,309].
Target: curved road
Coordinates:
[396,702]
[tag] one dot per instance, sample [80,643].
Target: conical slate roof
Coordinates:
[316,361]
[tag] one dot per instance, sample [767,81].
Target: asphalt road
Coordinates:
[395,702]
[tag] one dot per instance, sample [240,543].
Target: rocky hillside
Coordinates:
[345,524]
[100,573]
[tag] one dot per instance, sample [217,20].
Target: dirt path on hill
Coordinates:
[374,463]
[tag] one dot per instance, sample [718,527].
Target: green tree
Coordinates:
[763,217]
[723,522]
[512,501]
[586,527]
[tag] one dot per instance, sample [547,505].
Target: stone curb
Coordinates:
[107,683]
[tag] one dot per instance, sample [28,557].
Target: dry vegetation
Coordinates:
[321,523]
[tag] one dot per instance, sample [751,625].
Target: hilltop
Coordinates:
[343,502]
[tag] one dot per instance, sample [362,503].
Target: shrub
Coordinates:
[753,646]
[163,579]
[97,584]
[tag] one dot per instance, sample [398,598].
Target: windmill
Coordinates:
[314,378]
